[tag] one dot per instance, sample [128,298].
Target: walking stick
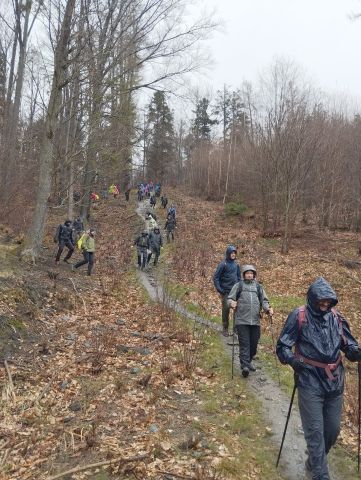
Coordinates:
[359,415]
[287,420]
[274,349]
[234,312]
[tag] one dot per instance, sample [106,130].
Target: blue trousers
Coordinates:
[321,417]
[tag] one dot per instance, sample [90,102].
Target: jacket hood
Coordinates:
[247,268]
[230,249]
[320,289]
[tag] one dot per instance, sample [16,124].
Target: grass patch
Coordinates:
[285,304]
[236,418]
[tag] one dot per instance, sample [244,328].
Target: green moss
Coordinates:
[17,324]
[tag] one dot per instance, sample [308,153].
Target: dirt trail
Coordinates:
[275,403]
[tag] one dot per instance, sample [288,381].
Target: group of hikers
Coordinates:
[113,190]
[71,234]
[311,342]
[150,241]
[149,190]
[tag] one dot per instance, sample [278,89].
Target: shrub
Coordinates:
[235,208]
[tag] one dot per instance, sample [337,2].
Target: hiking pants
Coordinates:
[88,259]
[225,311]
[170,233]
[62,244]
[321,417]
[142,256]
[156,252]
[248,337]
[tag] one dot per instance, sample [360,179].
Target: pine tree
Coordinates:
[161,155]
[202,124]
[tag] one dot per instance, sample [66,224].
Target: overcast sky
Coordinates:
[318,34]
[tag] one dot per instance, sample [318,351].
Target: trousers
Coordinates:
[248,338]
[321,417]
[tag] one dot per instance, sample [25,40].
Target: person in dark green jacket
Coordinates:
[88,250]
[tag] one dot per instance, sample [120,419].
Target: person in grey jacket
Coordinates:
[248,299]
[155,244]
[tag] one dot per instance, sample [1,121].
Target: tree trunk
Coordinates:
[35,234]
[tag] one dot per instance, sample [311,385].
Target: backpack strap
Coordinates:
[302,320]
[301,317]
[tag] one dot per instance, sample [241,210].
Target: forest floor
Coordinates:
[104,380]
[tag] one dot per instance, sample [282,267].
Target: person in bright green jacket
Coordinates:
[88,249]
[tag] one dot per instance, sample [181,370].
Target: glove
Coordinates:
[354,355]
[297,365]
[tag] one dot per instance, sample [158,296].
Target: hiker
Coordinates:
[78,227]
[113,190]
[88,249]
[226,275]
[126,193]
[64,238]
[152,201]
[142,244]
[155,244]
[248,298]
[170,226]
[164,201]
[150,221]
[94,197]
[310,342]
[172,211]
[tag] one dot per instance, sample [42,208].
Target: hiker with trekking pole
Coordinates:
[248,299]
[311,342]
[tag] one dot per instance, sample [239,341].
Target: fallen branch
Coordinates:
[11,384]
[136,458]
[178,475]
[78,294]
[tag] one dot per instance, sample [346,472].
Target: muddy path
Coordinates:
[274,401]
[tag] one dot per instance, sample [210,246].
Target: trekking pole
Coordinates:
[274,349]
[234,312]
[287,420]
[359,415]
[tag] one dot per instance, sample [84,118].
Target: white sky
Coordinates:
[317,34]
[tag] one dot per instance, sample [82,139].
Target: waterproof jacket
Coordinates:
[319,338]
[151,223]
[227,273]
[252,299]
[155,240]
[142,241]
[88,244]
[78,225]
[64,233]
[170,224]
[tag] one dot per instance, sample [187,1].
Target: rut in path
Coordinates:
[275,402]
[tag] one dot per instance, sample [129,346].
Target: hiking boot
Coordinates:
[245,372]
[225,332]
[252,367]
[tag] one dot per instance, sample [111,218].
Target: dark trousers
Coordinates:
[63,244]
[142,256]
[88,259]
[248,338]
[156,253]
[321,417]
[170,233]
[225,311]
